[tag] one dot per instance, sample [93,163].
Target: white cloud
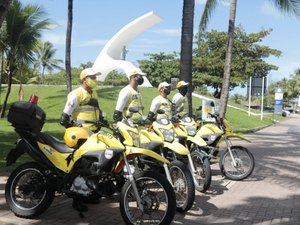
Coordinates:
[95,42]
[56,39]
[269,9]
[286,67]
[168,32]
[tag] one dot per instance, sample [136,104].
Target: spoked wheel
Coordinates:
[158,200]
[183,185]
[26,191]
[244,163]
[202,176]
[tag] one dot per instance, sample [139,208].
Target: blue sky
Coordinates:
[95,22]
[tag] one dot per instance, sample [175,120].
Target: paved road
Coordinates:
[270,196]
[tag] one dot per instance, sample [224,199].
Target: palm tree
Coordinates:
[4,5]
[286,6]
[187,46]
[45,61]
[227,64]
[68,45]
[18,38]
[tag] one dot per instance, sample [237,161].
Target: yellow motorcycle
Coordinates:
[236,162]
[83,166]
[136,134]
[165,128]
[185,130]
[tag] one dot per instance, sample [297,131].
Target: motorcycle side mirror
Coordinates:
[133,109]
[199,108]
[160,111]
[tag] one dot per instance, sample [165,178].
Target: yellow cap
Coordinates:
[181,83]
[88,72]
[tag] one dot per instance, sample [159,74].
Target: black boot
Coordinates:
[79,206]
[92,201]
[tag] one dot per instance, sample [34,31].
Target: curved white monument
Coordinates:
[109,58]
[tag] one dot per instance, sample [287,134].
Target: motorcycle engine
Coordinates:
[80,186]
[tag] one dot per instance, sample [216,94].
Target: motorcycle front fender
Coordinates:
[176,147]
[142,151]
[233,135]
[16,152]
[197,140]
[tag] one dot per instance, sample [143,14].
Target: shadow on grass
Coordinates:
[110,93]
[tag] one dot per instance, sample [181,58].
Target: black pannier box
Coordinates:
[26,115]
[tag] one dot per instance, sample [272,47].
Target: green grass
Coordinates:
[52,99]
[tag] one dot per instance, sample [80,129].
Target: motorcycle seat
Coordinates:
[54,142]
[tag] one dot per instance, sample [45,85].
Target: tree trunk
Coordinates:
[227,66]
[186,53]
[4,5]
[68,45]
[43,75]
[10,75]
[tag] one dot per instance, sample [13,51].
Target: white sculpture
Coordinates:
[109,58]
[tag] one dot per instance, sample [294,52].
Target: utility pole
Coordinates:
[249,95]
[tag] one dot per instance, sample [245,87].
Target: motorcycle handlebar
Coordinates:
[97,123]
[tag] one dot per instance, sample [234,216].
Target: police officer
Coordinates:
[82,103]
[161,102]
[130,96]
[179,99]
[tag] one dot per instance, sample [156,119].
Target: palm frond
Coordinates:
[288,7]
[209,8]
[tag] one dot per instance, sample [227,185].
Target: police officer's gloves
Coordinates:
[103,121]
[148,122]
[65,120]
[140,122]
[151,116]
[117,116]
[175,118]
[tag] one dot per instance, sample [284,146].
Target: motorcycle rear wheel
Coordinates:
[158,199]
[26,191]
[245,163]
[183,185]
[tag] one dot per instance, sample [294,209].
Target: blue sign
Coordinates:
[278,102]
[278,105]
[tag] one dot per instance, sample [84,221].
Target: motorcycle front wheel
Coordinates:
[158,200]
[26,191]
[202,176]
[183,185]
[244,163]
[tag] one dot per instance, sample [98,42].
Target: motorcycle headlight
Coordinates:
[163,121]
[187,119]
[135,138]
[168,134]
[191,130]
